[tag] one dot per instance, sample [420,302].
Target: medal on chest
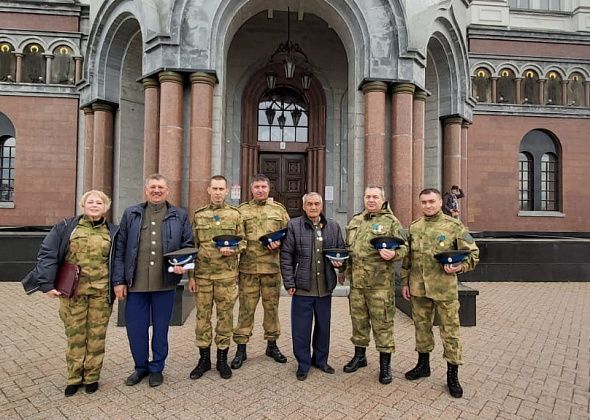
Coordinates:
[217,220]
[441,240]
[377,228]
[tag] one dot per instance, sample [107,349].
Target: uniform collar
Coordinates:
[435,217]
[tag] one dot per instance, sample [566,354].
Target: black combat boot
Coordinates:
[359,360]
[422,368]
[240,357]
[222,366]
[385,368]
[453,381]
[272,350]
[204,363]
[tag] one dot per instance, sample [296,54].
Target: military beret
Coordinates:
[181,256]
[273,236]
[226,240]
[387,242]
[337,254]
[452,257]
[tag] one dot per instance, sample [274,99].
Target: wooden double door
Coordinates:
[287,174]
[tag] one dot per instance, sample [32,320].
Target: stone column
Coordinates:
[78,69]
[201,132]
[48,62]
[151,126]
[587,92]
[19,67]
[464,177]
[451,152]
[374,93]
[170,149]
[102,155]
[542,91]
[401,152]
[418,115]
[88,147]
[518,94]
[494,89]
[564,98]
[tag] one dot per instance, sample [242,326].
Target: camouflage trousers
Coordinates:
[224,294]
[372,308]
[85,318]
[448,312]
[251,288]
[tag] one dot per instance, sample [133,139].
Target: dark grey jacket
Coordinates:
[53,252]
[297,251]
[176,234]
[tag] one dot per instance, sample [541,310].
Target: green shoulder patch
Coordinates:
[468,238]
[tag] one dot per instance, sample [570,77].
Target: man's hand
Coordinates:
[454,213]
[120,291]
[341,278]
[178,269]
[274,245]
[227,251]
[452,268]
[53,293]
[291,291]
[387,254]
[336,264]
[192,286]
[406,293]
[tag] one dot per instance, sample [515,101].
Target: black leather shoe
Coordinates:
[300,375]
[71,390]
[156,379]
[241,356]
[91,388]
[326,369]
[135,378]
[272,350]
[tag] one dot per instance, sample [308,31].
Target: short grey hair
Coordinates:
[377,187]
[312,194]
[155,177]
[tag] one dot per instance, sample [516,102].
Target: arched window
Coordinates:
[482,86]
[7,63]
[505,91]
[553,89]
[282,116]
[525,180]
[63,67]
[539,172]
[33,64]
[575,90]
[7,159]
[530,87]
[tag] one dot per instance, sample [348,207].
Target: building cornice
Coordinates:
[503,34]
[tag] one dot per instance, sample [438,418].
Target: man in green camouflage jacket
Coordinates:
[371,275]
[427,283]
[260,271]
[214,278]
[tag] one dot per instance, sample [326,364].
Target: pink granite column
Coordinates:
[170,149]
[88,146]
[451,152]
[201,133]
[374,133]
[464,175]
[19,67]
[151,126]
[48,64]
[401,152]
[418,115]
[78,69]
[102,155]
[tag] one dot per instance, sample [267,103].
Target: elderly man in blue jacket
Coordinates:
[147,231]
[310,278]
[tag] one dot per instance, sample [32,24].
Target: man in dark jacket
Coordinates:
[310,278]
[147,231]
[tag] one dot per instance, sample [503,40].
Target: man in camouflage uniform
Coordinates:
[215,275]
[371,275]
[427,284]
[260,271]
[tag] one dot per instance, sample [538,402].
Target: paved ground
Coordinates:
[528,357]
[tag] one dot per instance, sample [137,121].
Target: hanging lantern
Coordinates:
[296,115]
[289,65]
[271,80]
[270,115]
[306,80]
[281,121]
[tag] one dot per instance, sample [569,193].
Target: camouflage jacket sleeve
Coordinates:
[466,241]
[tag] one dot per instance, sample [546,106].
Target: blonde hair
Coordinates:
[105,199]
